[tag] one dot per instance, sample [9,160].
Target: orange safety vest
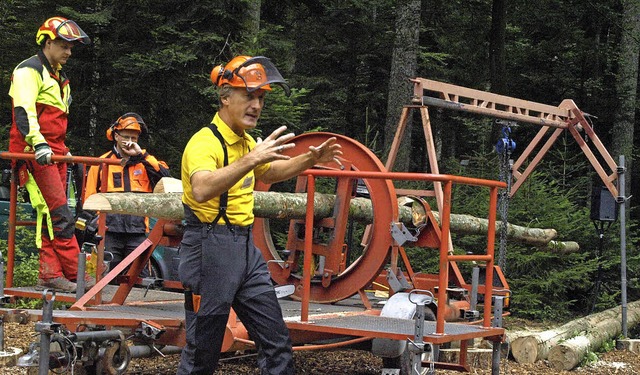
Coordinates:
[139,175]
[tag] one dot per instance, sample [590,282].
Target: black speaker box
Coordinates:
[603,205]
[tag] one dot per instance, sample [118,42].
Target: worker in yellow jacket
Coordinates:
[41,96]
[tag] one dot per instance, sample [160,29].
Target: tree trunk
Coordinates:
[403,67]
[627,87]
[497,63]
[94,101]
[275,205]
[251,24]
[566,247]
[496,46]
[541,345]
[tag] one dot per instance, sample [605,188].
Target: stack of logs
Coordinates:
[564,347]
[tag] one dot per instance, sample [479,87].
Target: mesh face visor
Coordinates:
[258,72]
[71,32]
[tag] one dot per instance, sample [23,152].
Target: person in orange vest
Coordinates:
[220,267]
[138,172]
[41,96]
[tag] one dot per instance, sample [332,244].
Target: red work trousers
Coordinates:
[58,257]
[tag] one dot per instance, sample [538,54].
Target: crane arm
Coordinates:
[566,116]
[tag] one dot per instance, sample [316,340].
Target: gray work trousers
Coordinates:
[221,264]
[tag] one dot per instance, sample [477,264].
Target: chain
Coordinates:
[503,209]
[505,147]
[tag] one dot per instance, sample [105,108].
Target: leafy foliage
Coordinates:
[27,263]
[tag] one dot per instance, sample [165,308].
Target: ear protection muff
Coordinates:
[218,73]
[111,129]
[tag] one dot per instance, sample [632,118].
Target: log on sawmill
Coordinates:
[538,346]
[568,354]
[278,205]
[467,224]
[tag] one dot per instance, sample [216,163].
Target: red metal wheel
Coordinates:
[371,257]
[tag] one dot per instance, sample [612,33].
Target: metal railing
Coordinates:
[444,257]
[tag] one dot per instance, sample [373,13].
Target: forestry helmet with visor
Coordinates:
[251,73]
[60,27]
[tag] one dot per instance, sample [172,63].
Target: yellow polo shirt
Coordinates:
[204,153]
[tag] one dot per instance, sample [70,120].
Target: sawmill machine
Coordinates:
[348,237]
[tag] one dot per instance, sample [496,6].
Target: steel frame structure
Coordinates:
[336,281]
[120,311]
[565,117]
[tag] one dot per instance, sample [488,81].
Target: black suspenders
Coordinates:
[224,197]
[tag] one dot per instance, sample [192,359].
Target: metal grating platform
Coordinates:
[136,294]
[394,328]
[345,318]
[173,310]
[292,309]
[348,318]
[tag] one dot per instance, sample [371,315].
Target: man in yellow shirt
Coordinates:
[220,267]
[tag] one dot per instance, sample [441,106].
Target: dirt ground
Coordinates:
[334,362]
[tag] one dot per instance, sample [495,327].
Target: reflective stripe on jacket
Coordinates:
[41,97]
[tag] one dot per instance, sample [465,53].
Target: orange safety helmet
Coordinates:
[128,121]
[252,73]
[60,27]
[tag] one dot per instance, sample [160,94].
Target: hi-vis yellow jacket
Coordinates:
[41,97]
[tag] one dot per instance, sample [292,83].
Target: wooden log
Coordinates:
[278,205]
[505,348]
[270,205]
[168,185]
[537,346]
[529,349]
[630,345]
[568,354]
[561,247]
[467,224]
[410,211]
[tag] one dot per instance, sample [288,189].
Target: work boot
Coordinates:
[59,284]
[89,282]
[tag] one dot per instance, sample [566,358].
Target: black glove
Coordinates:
[43,154]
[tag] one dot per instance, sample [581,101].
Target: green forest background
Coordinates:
[348,63]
